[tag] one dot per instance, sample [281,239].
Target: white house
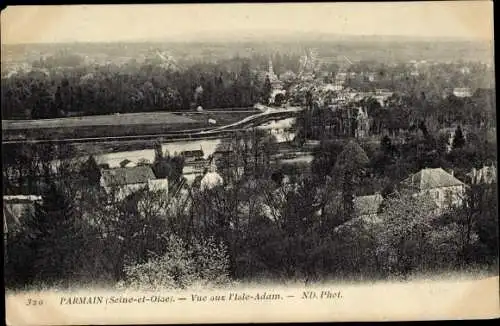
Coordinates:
[211,179]
[446,190]
[130,179]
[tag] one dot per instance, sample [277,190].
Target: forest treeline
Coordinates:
[65,84]
[399,115]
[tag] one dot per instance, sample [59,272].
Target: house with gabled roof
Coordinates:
[126,180]
[446,190]
[366,212]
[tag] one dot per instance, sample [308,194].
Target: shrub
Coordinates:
[201,262]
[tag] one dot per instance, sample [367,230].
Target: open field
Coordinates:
[115,125]
[128,119]
[97,131]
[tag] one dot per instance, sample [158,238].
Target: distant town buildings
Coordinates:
[276,83]
[465,70]
[340,78]
[462,92]
[372,77]
[332,87]
[288,76]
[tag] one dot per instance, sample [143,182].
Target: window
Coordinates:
[448,197]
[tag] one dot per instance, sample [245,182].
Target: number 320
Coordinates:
[32,302]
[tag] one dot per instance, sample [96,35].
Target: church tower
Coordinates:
[271,70]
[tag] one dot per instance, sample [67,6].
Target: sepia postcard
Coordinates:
[247,163]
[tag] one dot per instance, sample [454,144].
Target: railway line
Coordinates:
[165,137]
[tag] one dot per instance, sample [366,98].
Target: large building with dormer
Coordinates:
[442,187]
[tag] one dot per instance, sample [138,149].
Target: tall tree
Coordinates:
[266,91]
[386,145]
[56,237]
[90,171]
[402,234]
[458,138]
[324,158]
[348,171]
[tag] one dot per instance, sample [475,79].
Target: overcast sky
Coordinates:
[102,23]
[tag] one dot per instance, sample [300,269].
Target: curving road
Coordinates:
[257,119]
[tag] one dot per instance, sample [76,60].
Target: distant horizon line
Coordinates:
[252,37]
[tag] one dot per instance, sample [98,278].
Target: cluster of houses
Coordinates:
[309,78]
[441,187]
[120,182]
[127,179]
